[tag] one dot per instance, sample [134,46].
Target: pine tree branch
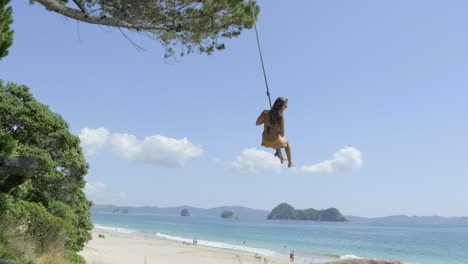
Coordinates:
[62,9]
[80,5]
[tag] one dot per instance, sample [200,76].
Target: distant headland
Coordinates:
[285,211]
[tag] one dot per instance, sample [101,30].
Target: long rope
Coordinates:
[260,52]
[261,59]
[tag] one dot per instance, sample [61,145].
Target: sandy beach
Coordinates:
[120,248]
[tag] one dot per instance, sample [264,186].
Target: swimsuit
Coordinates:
[270,144]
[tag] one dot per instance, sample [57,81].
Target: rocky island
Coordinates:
[287,212]
[227,214]
[185,212]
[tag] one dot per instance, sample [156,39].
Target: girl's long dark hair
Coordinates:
[276,115]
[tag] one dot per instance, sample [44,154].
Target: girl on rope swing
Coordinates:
[273,129]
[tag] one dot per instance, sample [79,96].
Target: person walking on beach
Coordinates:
[273,130]
[291,256]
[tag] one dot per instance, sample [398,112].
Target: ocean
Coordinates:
[312,242]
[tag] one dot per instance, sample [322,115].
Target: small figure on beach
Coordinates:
[195,241]
[273,130]
[291,256]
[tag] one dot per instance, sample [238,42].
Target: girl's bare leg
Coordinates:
[280,155]
[288,154]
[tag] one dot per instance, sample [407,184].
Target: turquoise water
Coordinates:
[313,242]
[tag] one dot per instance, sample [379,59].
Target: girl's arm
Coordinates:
[260,119]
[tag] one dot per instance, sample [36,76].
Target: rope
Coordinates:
[260,52]
[261,59]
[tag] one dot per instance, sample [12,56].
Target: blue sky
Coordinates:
[377,107]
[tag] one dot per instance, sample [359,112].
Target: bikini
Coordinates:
[270,144]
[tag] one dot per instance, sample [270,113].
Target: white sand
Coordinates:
[119,248]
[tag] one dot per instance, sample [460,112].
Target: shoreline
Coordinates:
[122,248]
[117,247]
[203,243]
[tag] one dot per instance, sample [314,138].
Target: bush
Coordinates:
[12,246]
[29,232]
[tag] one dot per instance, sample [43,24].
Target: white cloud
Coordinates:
[156,149]
[94,188]
[125,146]
[253,161]
[345,160]
[93,139]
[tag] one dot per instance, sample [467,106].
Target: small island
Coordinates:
[287,212]
[185,212]
[120,211]
[227,214]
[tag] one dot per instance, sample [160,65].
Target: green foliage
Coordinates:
[7,144]
[73,257]
[283,211]
[332,214]
[227,214]
[6,33]
[185,212]
[33,226]
[65,212]
[37,222]
[30,234]
[25,229]
[182,27]
[53,199]
[6,251]
[286,211]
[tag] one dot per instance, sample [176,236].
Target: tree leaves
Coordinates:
[6,33]
[182,26]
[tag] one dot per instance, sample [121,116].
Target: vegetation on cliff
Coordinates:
[287,212]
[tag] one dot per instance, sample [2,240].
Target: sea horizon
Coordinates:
[215,211]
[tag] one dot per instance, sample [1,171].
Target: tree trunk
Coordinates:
[18,170]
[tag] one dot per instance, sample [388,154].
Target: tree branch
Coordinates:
[18,169]
[62,9]
[80,5]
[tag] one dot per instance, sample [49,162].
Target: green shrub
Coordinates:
[31,232]
[12,243]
